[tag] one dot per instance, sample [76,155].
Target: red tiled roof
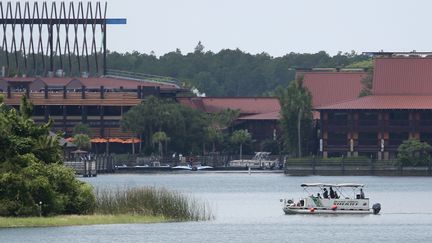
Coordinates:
[246,105]
[93,82]
[384,102]
[195,103]
[263,116]
[403,75]
[332,87]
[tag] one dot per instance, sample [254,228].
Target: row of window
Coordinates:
[371,138]
[373,116]
[75,110]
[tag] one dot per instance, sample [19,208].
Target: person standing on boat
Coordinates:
[362,196]
[332,193]
[325,194]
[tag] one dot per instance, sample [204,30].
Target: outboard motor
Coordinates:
[376,208]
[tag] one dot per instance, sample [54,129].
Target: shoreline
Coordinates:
[78,220]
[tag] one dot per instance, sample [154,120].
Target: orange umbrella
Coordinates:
[115,140]
[98,140]
[132,140]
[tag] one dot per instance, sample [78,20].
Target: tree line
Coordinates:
[166,127]
[229,72]
[225,73]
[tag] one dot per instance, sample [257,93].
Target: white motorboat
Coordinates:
[202,167]
[182,167]
[331,199]
[261,160]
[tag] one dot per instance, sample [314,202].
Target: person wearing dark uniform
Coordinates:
[325,194]
[332,193]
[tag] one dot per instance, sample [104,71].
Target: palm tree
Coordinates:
[82,141]
[296,114]
[159,138]
[240,137]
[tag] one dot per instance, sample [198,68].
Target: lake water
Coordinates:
[247,209]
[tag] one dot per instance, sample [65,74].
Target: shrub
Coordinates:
[412,152]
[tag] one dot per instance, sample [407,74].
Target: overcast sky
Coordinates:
[273,26]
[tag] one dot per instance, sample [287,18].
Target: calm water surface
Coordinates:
[247,209]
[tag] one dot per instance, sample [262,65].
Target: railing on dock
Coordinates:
[90,168]
[84,168]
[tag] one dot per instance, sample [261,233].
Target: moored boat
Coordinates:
[331,199]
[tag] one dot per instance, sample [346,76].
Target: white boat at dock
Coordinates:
[331,199]
[261,160]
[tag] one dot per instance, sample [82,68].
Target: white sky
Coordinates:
[273,26]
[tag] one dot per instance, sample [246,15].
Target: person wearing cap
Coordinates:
[325,194]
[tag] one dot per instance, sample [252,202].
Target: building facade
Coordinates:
[98,102]
[399,108]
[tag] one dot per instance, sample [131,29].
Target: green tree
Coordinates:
[199,48]
[159,138]
[185,126]
[413,152]
[218,123]
[214,136]
[133,121]
[33,180]
[82,141]
[81,128]
[240,137]
[367,84]
[296,115]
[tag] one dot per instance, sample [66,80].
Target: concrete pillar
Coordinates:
[46,92]
[83,88]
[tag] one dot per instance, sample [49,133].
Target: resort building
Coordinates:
[399,108]
[99,102]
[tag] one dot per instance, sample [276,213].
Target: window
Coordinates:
[368,138]
[55,110]
[338,118]
[396,138]
[426,137]
[399,118]
[74,110]
[112,110]
[368,118]
[337,138]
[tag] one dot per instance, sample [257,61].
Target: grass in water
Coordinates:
[151,201]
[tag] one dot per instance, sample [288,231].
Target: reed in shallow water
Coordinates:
[153,202]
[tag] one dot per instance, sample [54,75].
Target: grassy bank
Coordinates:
[68,220]
[125,206]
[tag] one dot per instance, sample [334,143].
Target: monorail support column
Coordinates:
[84,114]
[46,110]
[102,123]
[64,118]
[83,90]
[46,92]
[9,93]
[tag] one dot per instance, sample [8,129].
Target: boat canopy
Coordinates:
[331,185]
